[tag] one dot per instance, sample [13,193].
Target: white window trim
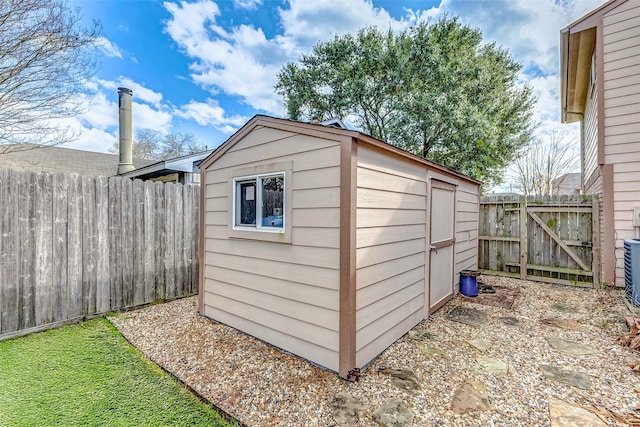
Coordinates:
[258,195]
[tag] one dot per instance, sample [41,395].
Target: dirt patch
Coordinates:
[503,297]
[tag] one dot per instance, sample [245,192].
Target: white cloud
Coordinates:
[241,61]
[210,114]
[109,48]
[93,140]
[101,112]
[97,128]
[141,93]
[147,117]
[247,4]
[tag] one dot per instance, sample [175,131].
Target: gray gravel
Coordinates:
[261,386]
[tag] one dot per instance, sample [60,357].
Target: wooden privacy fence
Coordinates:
[547,239]
[73,247]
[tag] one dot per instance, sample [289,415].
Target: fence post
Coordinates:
[523,238]
[595,250]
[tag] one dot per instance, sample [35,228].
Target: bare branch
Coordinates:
[544,164]
[153,145]
[46,57]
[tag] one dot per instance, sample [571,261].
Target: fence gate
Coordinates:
[545,239]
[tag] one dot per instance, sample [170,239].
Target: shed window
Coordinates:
[259,202]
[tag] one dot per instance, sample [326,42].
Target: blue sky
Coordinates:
[208,66]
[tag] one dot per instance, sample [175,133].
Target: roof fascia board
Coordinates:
[331,133]
[592,18]
[145,170]
[281,124]
[564,73]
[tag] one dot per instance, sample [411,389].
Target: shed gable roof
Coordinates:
[326,132]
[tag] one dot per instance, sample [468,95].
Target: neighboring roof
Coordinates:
[577,44]
[184,163]
[67,160]
[328,132]
[569,183]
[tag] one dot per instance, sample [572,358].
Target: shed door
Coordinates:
[442,220]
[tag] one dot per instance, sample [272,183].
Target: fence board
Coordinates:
[103,285]
[60,282]
[127,243]
[26,257]
[149,242]
[73,247]
[89,246]
[43,248]
[116,231]
[160,242]
[9,254]
[179,237]
[170,233]
[138,242]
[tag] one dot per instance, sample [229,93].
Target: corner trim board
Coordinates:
[348,185]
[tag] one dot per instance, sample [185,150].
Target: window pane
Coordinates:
[273,201]
[247,202]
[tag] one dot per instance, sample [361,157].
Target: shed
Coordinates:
[328,243]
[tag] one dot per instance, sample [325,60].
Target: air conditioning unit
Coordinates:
[632,270]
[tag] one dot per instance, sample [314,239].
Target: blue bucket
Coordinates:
[468,283]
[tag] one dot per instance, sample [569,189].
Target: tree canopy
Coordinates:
[433,89]
[154,145]
[45,58]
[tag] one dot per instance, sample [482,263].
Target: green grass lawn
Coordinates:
[89,375]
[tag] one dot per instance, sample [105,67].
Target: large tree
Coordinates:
[46,55]
[154,145]
[434,89]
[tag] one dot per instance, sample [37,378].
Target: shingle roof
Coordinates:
[59,159]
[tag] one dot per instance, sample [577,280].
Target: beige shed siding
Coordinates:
[285,294]
[390,249]
[590,136]
[621,31]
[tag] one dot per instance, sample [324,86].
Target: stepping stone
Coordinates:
[422,335]
[347,410]
[467,316]
[480,344]
[563,414]
[569,325]
[571,347]
[509,321]
[393,413]
[469,397]
[432,351]
[403,379]
[564,308]
[566,376]
[490,366]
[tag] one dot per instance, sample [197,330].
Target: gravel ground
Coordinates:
[261,386]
